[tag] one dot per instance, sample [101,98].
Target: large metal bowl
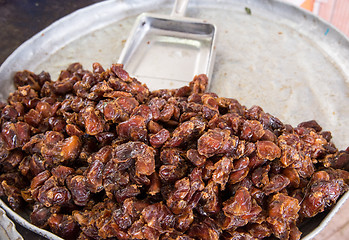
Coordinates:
[280,57]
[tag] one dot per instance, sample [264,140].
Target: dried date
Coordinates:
[96,155]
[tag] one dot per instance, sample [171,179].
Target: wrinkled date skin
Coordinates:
[96,155]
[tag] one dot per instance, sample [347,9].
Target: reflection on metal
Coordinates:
[169,50]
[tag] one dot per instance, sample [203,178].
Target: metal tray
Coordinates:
[158,41]
[7,228]
[280,57]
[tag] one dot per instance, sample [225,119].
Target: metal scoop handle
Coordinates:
[179,8]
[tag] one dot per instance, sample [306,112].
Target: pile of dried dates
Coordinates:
[96,155]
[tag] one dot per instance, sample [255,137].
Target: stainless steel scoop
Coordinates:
[168,51]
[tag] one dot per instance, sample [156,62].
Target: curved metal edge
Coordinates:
[308,13]
[9,227]
[330,39]
[49,39]
[22,221]
[25,51]
[65,22]
[291,12]
[328,217]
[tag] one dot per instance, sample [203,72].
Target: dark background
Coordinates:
[22,19]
